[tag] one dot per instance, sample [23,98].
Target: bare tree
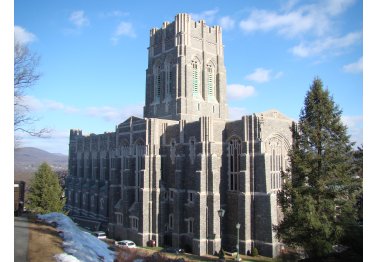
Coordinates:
[25,76]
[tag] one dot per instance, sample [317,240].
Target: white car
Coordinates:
[125,243]
[100,234]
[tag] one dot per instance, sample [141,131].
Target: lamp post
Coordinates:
[221,213]
[237,245]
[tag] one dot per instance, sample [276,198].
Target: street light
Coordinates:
[221,214]
[237,245]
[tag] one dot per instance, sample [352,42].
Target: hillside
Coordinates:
[28,159]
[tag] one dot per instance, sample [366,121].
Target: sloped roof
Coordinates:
[273,113]
[131,119]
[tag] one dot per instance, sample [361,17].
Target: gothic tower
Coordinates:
[186,76]
[165,177]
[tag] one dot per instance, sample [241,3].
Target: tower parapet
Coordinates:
[186,76]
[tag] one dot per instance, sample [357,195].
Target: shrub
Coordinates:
[221,254]
[254,252]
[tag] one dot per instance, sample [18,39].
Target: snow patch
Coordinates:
[64,257]
[77,243]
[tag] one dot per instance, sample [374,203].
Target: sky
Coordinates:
[93,58]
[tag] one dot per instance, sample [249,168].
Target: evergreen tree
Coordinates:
[319,193]
[45,192]
[358,173]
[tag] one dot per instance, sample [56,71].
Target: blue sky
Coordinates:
[94,57]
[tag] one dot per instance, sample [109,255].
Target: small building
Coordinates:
[19,197]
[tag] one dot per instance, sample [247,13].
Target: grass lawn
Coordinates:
[44,241]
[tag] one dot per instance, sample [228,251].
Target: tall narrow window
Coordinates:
[119,218]
[140,165]
[190,225]
[190,197]
[168,79]
[234,151]
[158,85]
[195,78]
[171,221]
[157,81]
[276,163]
[134,222]
[210,81]
[92,201]
[104,168]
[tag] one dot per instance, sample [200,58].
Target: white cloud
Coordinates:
[236,91]
[356,67]
[226,22]
[113,114]
[106,112]
[260,75]
[123,29]
[79,19]
[208,15]
[236,113]
[57,141]
[355,128]
[22,36]
[54,105]
[288,5]
[311,18]
[289,24]
[334,44]
[36,104]
[335,7]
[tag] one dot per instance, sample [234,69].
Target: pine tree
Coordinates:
[319,193]
[45,192]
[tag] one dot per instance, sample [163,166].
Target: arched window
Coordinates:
[195,78]
[234,151]
[277,159]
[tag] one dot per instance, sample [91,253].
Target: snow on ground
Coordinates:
[64,257]
[78,245]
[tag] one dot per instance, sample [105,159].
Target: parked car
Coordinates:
[100,234]
[125,243]
[174,250]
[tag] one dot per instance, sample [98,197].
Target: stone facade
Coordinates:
[165,176]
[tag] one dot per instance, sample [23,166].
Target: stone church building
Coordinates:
[165,176]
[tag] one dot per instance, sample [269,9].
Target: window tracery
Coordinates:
[234,151]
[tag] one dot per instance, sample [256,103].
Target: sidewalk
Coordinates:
[21,238]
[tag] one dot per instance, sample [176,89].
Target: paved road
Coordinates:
[21,239]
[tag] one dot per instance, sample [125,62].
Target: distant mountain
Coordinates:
[28,159]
